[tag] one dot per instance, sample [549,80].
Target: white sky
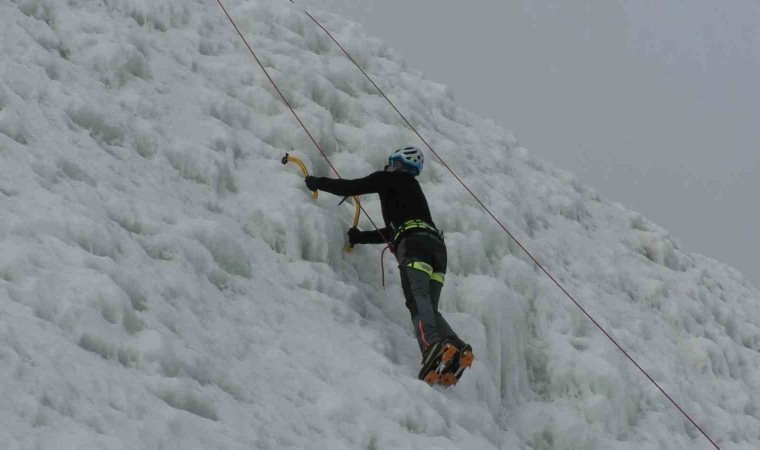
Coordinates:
[656,104]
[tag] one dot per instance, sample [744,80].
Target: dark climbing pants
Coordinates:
[422,264]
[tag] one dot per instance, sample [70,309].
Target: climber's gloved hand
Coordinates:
[354,236]
[312,183]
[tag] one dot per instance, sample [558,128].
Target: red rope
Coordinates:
[559,285]
[382,264]
[250,49]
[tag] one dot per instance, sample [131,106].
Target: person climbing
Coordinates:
[421,254]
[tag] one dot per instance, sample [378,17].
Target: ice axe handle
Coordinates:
[287,158]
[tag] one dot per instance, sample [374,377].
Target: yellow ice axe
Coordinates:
[357,213]
[287,158]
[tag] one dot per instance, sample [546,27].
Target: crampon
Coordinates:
[445,363]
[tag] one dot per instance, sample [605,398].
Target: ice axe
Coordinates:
[288,158]
[357,213]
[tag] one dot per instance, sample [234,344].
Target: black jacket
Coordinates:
[401,199]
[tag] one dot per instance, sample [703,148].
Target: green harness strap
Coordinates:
[428,269]
[419,265]
[412,224]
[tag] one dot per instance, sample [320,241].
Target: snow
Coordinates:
[166,283]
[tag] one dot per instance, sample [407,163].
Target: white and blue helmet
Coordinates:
[410,156]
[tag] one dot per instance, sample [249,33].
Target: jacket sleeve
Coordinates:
[380,236]
[367,185]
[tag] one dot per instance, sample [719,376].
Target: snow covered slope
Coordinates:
[166,283]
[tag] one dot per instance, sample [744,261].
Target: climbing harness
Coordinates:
[415,225]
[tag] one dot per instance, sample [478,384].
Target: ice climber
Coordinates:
[421,254]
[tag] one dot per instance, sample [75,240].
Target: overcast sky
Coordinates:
[655,103]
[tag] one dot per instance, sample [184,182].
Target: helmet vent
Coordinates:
[410,156]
